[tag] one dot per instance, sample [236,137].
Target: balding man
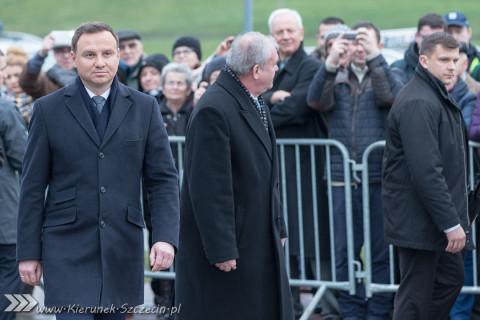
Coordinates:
[230,263]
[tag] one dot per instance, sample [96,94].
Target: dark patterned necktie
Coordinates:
[262,112]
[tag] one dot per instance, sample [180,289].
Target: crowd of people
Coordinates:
[345,90]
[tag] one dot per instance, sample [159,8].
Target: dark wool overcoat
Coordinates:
[88,231]
[230,209]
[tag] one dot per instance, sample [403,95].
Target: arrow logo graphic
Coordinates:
[20,302]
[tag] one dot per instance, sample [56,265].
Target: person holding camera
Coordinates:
[356,88]
[38,83]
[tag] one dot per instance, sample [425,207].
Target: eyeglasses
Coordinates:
[63,50]
[131,45]
[182,52]
[180,84]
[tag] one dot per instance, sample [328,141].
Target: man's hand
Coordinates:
[368,39]
[30,271]
[48,44]
[340,53]
[161,256]
[279,95]
[283,241]
[227,266]
[456,240]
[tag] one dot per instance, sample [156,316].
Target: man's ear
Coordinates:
[255,71]
[423,59]
[74,58]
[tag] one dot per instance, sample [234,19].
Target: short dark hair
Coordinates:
[91,27]
[332,20]
[433,20]
[368,25]
[445,39]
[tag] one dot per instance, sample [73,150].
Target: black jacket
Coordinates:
[424,189]
[292,118]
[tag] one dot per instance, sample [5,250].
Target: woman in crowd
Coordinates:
[187,50]
[176,106]
[16,61]
[150,75]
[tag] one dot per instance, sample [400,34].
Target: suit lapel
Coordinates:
[119,109]
[256,124]
[79,111]
[247,110]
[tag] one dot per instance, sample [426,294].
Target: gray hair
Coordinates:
[248,50]
[280,12]
[178,67]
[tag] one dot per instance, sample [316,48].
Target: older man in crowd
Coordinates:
[292,118]
[131,52]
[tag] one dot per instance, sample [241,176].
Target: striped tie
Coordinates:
[99,102]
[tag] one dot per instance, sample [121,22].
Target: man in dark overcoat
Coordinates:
[293,118]
[230,263]
[86,232]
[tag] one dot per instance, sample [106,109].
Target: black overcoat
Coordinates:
[88,230]
[230,209]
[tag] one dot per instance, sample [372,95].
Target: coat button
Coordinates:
[101,155]
[102,189]
[103,224]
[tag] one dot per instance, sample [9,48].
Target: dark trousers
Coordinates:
[9,279]
[430,282]
[91,316]
[356,306]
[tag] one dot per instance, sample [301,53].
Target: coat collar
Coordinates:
[436,85]
[120,104]
[292,65]
[247,110]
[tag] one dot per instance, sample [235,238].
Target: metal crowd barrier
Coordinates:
[352,172]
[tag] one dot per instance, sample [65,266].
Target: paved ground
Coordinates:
[38,296]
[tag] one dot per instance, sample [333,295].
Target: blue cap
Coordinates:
[456,18]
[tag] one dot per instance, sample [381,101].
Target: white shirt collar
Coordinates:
[105,94]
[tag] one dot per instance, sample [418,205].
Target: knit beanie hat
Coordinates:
[335,31]
[156,60]
[190,42]
[214,65]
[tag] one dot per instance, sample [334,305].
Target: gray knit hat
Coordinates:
[335,31]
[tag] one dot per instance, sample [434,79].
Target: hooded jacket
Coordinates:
[409,62]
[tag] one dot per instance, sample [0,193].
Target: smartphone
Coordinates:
[351,35]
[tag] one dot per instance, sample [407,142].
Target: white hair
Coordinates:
[248,50]
[282,11]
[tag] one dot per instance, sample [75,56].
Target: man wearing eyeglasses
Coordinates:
[428,24]
[131,52]
[37,83]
